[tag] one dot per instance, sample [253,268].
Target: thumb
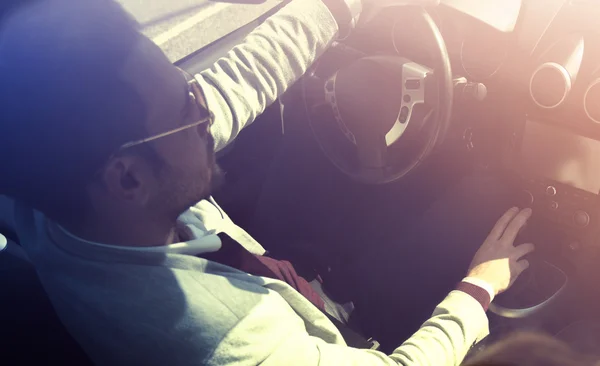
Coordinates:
[522,265]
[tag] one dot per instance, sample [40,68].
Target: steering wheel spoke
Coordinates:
[370,114]
[414,85]
[372,153]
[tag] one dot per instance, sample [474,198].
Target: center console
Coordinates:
[549,133]
[552,155]
[558,173]
[555,171]
[555,148]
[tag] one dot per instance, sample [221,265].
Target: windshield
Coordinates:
[181,27]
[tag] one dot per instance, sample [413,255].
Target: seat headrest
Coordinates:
[3,242]
[12,255]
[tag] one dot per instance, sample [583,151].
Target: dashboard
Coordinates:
[476,50]
[552,87]
[480,41]
[540,63]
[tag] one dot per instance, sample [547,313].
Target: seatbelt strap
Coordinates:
[353,339]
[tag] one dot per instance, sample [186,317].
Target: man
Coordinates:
[107,149]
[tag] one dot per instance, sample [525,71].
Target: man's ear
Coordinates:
[129,178]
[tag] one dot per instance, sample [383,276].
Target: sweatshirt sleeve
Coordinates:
[456,325]
[239,86]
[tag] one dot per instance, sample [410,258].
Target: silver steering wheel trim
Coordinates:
[413,93]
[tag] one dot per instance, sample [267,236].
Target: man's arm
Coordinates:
[457,323]
[255,73]
[443,340]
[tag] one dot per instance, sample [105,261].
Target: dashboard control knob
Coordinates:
[553,205]
[551,191]
[470,91]
[526,198]
[581,218]
[468,138]
[590,102]
[574,246]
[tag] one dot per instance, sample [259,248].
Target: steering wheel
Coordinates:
[379,117]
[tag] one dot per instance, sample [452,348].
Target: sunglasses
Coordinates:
[197,100]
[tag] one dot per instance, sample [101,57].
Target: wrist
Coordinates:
[483,284]
[478,289]
[345,13]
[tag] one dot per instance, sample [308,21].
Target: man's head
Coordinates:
[530,349]
[79,82]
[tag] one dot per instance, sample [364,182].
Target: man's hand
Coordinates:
[498,262]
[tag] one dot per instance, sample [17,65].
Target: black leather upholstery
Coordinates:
[30,331]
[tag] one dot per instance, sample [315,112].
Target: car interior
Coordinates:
[384,124]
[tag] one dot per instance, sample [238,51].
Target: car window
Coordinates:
[181,27]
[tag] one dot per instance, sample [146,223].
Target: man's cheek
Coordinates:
[218,177]
[210,143]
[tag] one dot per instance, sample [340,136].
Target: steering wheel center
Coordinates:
[373,98]
[372,101]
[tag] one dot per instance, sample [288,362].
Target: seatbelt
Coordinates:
[352,338]
[234,255]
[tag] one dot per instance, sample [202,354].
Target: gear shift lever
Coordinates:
[537,289]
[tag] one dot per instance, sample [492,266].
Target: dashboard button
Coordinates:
[413,84]
[581,218]
[468,138]
[551,191]
[407,98]
[403,114]
[553,205]
[575,245]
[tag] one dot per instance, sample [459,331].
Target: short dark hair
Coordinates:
[64,107]
[529,349]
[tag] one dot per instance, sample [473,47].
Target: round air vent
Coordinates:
[550,85]
[591,101]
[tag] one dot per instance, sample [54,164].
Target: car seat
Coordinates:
[30,331]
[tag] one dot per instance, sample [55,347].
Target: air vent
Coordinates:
[550,85]
[551,82]
[591,101]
